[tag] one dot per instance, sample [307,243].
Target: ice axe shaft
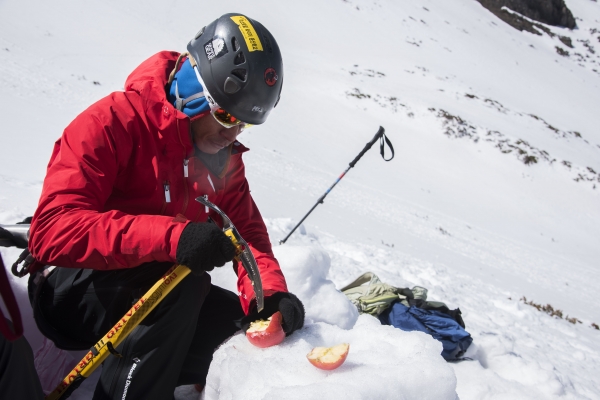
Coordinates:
[105,346]
[380,135]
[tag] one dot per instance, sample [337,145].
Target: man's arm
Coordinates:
[70,227]
[241,209]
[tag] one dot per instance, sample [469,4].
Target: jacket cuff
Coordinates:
[178,227]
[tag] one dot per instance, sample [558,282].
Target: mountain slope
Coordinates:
[492,195]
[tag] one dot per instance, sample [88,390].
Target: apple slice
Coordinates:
[267,333]
[328,358]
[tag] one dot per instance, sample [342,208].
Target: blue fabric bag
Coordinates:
[455,339]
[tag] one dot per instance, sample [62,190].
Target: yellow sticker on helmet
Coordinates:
[252,39]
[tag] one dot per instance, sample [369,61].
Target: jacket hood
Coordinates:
[149,80]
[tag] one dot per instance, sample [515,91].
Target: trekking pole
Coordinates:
[382,141]
[119,332]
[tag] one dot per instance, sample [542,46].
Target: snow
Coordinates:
[368,372]
[306,270]
[455,211]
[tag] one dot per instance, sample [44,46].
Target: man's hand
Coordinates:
[291,308]
[203,246]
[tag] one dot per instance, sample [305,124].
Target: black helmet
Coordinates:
[240,64]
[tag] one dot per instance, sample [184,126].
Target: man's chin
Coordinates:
[210,148]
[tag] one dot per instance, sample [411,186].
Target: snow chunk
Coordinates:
[383,363]
[305,269]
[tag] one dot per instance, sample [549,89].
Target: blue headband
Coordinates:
[186,93]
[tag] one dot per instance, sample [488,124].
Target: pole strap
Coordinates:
[383,140]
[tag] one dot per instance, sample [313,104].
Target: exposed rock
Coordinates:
[550,12]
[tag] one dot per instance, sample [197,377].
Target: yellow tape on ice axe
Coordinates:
[120,331]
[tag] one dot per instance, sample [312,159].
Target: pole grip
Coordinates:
[379,133]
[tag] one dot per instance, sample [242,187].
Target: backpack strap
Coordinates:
[8,297]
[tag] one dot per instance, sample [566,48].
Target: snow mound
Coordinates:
[306,269]
[383,363]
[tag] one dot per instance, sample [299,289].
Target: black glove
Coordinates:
[291,308]
[203,246]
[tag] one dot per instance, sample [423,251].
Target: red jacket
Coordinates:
[104,202]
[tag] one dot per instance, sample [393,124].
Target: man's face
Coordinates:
[210,136]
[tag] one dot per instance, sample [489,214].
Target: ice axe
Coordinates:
[245,256]
[100,351]
[382,141]
[105,346]
[115,336]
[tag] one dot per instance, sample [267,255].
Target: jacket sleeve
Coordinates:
[70,227]
[244,214]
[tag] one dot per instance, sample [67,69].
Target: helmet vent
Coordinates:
[239,58]
[240,73]
[231,86]
[200,32]
[234,44]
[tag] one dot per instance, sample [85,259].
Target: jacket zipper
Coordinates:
[185,187]
[212,185]
[167,187]
[206,210]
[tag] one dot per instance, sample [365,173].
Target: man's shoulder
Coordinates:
[115,105]
[155,69]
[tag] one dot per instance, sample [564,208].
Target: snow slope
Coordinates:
[466,100]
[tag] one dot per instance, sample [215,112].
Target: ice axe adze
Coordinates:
[382,141]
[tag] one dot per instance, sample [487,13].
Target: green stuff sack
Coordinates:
[371,296]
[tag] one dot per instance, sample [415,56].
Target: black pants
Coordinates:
[18,378]
[172,346]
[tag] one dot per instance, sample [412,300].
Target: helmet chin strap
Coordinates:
[192,60]
[180,103]
[181,56]
[211,102]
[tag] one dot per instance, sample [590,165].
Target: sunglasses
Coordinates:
[227,120]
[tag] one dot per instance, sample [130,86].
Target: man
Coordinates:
[117,210]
